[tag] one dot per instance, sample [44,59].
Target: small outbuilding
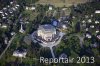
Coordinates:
[20,52]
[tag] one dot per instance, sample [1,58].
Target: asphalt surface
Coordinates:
[8,45]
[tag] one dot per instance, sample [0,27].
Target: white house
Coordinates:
[88,35]
[97,11]
[96,22]
[20,53]
[50,8]
[98,36]
[89,20]
[4,26]
[30,8]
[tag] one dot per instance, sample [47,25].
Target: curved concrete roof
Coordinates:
[47,28]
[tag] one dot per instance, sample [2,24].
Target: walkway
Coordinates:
[52,52]
[8,45]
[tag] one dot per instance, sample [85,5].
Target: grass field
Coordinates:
[60,3]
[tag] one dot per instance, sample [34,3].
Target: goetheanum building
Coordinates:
[45,34]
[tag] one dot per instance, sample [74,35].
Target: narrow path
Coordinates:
[81,40]
[61,34]
[8,45]
[52,52]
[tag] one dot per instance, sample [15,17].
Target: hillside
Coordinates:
[60,3]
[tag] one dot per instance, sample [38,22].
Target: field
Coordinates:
[60,3]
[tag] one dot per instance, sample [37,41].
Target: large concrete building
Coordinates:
[46,32]
[47,35]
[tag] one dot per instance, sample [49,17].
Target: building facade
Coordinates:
[46,32]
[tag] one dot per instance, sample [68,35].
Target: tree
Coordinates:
[45,52]
[74,43]
[27,2]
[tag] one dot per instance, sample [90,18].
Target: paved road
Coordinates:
[8,45]
[53,55]
[61,35]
